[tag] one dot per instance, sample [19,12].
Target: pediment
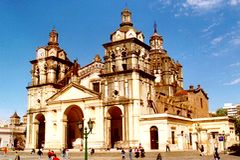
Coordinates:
[73,91]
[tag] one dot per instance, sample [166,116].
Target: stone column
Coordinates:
[64,133]
[123,128]
[51,76]
[35,134]
[107,131]
[29,133]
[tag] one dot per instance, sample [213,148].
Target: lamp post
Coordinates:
[86,133]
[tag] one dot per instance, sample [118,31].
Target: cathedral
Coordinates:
[134,95]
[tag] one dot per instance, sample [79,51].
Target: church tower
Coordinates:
[127,82]
[48,69]
[168,73]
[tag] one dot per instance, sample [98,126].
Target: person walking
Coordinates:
[92,151]
[17,157]
[5,150]
[159,156]
[39,153]
[167,147]
[142,152]
[33,151]
[123,154]
[63,153]
[55,157]
[136,152]
[50,154]
[130,153]
[202,152]
[216,155]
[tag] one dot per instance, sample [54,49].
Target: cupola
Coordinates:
[15,119]
[156,40]
[53,38]
[126,18]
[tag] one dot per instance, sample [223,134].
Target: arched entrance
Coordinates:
[154,137]
[40,131]
[74,116]
[116,125]
[19,143]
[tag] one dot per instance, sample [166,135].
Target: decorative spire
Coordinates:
[155,27]
[156,40]
[53,37]
[15,115]
[126,18]
[97,58]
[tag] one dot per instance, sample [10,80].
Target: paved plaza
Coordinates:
[115,155]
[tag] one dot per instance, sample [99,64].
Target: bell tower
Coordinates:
[168,73]
[127,82]
[49,67]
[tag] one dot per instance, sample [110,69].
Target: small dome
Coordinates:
[15,115]
[181,93]
[97,58]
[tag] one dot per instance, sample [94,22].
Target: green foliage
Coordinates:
[237,126]
[221,112]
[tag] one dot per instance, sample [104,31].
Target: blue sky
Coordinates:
[203,35]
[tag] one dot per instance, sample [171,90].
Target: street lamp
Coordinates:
[86,133]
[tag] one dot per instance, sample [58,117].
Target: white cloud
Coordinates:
[192,7]
[235,41]
[202,4]
[216,40]
[166,2]
[233,82]
[234,2]
[210,27]
[235,64]
[218,52]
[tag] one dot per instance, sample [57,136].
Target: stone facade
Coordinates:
[135,95]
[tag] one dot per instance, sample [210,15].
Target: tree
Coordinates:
[221,112]
[237,126]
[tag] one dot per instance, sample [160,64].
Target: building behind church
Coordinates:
[134,95]
[13,133]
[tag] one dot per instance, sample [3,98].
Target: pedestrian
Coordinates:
[66,154]
[33,151]
[130,153]
[55,157]
[216,155]
[63,153]
[123,154]
[167,147]
[92,151]
[142,152]
[39,153]
[197,145]
[17,157]
[5,151]
[202,152]
[136,152]
[159,156]
[50,154]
